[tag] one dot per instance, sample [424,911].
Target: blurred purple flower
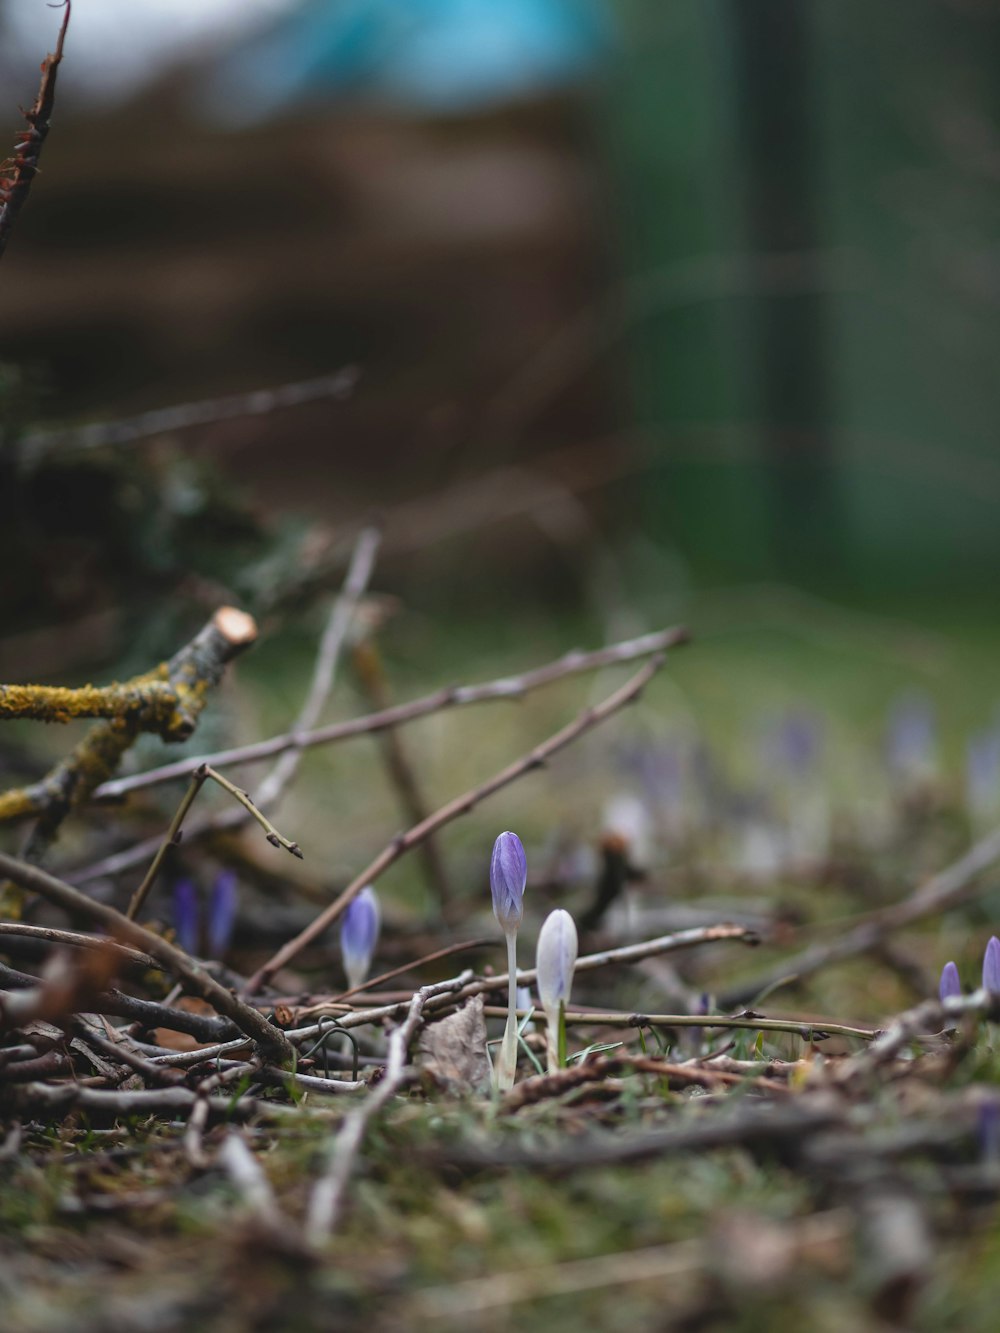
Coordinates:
[982,770]
[988,1130]
[991,966]
[186,915]
[910,736]
[508,876]
[359,934]
[951,984]
[222,905]
[792,742]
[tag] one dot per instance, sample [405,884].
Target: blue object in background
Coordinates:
[429,56]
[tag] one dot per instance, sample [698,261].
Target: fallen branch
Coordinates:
[180,691]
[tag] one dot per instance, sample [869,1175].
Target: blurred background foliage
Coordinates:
[659,311]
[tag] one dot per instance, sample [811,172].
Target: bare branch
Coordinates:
[504,688]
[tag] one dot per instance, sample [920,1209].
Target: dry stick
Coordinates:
[102,434]
[331,646]
[461,805]
[629,953]
[250,1182]
[325,1201]
[272,1042]
[173,836]
[244,798]
[371,675]
[73,938]
[463,946]
[755,1022]
[942,891]
[506,687]
[16,183]
[198,778]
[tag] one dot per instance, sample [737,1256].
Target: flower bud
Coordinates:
[359,935]
[222,904]
[950,986]
[556,958]
[991,966]
[508,876]
[186,915]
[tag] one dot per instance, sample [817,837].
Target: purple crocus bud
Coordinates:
[186,915]
[951,985]
[555,959]
[359,935]
[991,966]
[508,876]
[222,905]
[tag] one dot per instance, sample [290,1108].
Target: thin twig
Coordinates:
[504,688]
[249,1181]
[166,420]
[171,839]
[629,953]
[338,627]
[536,758]
[73,938]
[275,838]
[753,1022]
[17,175]
[371,675]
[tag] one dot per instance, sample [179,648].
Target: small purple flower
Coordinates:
[951,985]
[991,966]
[910,738]
[186,915]
[792,743]
[982,770]
[359,934]
[555,959]
[988,1131]
[222,905]
[508,876]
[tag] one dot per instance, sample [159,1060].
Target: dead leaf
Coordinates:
[454,1049]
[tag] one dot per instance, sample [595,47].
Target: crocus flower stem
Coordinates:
[555,1036]
[507,1062]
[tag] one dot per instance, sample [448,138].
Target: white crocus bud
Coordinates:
[555,963]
